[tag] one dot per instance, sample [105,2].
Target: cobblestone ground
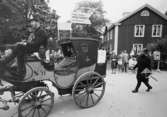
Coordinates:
[118,100]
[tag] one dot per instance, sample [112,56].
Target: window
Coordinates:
[156,30]
[139,30]
[145,13]
[111,35]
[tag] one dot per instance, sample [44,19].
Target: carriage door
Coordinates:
[137,48]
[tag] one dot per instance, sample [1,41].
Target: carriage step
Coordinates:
[3,89]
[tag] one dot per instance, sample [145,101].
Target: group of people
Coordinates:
[142,62]
[121,61]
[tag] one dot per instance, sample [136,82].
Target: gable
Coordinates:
[150,8]
[144,16]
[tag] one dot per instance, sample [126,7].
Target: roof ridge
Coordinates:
[142,7]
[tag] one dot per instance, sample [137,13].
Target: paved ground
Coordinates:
[118,100]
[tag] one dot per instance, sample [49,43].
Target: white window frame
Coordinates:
[137,47]
[141,29]
[145,13]
[158,30]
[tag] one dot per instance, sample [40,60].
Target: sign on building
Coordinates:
[80,18]
[156,55]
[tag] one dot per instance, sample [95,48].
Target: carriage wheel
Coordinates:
[37,102]
[88,89]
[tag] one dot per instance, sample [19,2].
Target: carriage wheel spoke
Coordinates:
[80,94]
[99,84]
[87,99]
[26,108]
[29,112]
[42,96]
[46,105]
[96,95]
[78,101]
[33,113]
[40,93]
[98,90]
[39,115]
[78,97]
[92,98]
[43,109]
[45,100]
[29,97]
[82,84]
[95,81]
[87,82]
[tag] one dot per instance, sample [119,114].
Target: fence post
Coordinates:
[158,66]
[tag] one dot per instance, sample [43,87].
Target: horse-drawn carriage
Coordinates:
[78,74]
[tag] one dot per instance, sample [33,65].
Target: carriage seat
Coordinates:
[67,66]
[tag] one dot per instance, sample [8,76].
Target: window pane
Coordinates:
[156,30]
[137,30]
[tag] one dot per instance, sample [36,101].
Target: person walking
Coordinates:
[125,60]
[113,62]
[120,64]
[143,63]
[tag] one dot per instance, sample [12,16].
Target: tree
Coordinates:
[12,20]
[15,14]
[166,13]
[160,46]
[96,18]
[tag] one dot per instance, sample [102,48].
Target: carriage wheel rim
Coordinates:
[37,107]
[91,94]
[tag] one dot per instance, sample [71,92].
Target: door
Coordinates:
[137,48]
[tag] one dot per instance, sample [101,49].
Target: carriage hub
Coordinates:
[37,105]
[90,90]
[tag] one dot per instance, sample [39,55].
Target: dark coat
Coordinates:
[143,62]
[40,39]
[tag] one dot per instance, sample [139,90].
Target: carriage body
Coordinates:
[80,56]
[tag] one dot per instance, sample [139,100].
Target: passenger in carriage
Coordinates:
[69,57]
[45,55]
[23,48]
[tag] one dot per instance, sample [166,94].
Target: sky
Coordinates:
[114,8]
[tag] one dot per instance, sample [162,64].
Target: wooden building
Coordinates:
[136,30]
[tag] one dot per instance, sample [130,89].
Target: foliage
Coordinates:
[161,45]
[152,46]
[166,13]
[15,14]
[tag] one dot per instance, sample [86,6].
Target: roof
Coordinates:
[142,7]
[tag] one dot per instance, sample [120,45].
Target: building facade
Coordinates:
[138,29]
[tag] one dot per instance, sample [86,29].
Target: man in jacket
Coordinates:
[143,63]
[23,48]
[125,60]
